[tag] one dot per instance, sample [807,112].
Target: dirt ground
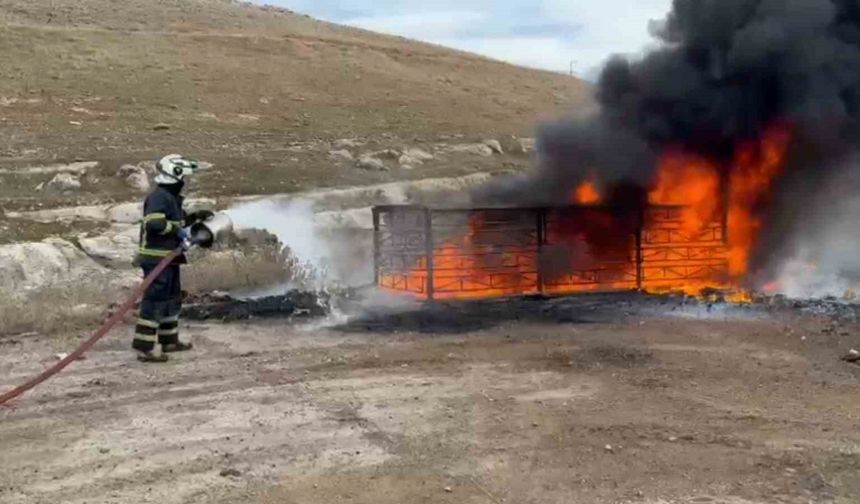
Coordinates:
[594,399]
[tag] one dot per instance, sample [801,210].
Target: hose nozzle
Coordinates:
[205,234]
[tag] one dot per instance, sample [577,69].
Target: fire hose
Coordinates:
[203,234]
[103,330]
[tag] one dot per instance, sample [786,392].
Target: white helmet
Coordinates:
[173,169]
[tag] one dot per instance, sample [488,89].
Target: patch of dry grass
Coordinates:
[61,309]
[229,270]
[248,260]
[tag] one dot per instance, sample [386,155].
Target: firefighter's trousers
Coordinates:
[158,321]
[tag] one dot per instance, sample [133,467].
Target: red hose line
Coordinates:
[103,330]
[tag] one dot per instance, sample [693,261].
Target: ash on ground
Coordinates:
[370,312]
[226,308]
[834,307]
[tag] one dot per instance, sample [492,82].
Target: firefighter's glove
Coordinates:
[199,216]
[185,238]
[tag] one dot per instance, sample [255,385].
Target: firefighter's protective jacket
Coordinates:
[163,217]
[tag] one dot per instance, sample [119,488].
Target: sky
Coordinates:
[548,34]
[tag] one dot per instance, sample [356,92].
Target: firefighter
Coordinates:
[162,231]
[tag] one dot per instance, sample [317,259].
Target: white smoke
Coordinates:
[292,223]
[327,257]
[802,279]
[826,256]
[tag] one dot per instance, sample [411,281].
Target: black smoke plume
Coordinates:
[725,70]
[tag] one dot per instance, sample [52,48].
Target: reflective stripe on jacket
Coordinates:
[162,219]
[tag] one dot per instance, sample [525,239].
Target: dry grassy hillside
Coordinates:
[238,85]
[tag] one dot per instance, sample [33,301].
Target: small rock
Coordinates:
[385,154]
[852,356]
[414,157]
[609,448]
[672,439]
[135,176]
[419,154]
[161,127]
[60,356]
[347,143]
[476,149]
[63,183]
[527,145]
[76,123]
[495,146]
[230,473]
[341,155]
[449,489]
[371,164]
[82,309]
[128,169]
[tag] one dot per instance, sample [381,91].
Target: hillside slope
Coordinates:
[236,84]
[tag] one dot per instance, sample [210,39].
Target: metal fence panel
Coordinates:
[478,253]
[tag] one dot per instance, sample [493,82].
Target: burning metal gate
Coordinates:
[481,253]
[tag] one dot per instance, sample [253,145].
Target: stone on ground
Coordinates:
[342,155]
[135,176]
[63,183]
[495,146]
[371,163]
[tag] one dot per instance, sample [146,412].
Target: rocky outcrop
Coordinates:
[52,262]
[78,168]
[123,213]
[391,193]
[115,249]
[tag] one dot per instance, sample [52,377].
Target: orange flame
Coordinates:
[757,164]
[691,181]
[486,262]
[483,263]
[586,194]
